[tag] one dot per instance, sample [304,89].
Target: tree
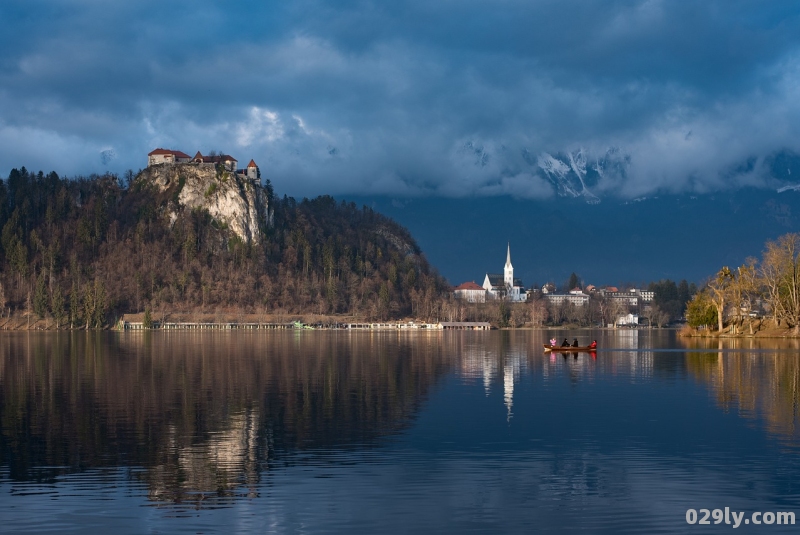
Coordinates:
[519,314]
[147,323]
[780,275]
[650,313]
[661,318]
[40,296]
[74,306]
[700,311]
[573,282]
[744,290]
[719,289]
[667,297]
[88,305]
[685,293]
[538,311]
[57,305]
[503,315]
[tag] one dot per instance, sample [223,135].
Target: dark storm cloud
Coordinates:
[443,98]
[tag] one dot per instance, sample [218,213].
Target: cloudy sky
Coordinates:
[447,98]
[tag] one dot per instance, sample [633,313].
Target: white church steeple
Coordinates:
[508,270]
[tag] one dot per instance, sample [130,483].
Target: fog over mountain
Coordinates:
[532,99]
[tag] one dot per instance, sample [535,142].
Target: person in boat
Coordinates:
[565,343]
[553,342]
[593,345]
[575,343]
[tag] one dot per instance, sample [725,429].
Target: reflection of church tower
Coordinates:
[508,270]
[508,388]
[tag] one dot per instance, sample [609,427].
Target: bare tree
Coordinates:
[720,289]
[519,314]
[538,311]
[744,291]
[661,317]
[616,308]
[650,313]
[780,275]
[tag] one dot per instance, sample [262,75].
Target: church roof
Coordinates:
[496,279]
[252,164]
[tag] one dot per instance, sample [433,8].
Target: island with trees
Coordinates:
[759,298]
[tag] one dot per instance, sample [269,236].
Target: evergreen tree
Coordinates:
[74,306]
[40,296]
[57,305]
[147,323]
[700,311]
[573,282]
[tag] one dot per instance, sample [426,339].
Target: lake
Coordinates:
[395,432]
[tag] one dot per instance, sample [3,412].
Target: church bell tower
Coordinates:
[508,270]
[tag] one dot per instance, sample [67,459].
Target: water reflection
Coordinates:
[205,414]
[754,382]
[207,420]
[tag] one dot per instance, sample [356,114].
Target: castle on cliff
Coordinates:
[170,157]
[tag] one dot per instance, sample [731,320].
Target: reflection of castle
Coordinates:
[227,460]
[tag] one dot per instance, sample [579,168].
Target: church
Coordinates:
[505,286]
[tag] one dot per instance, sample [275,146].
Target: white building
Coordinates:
[577,298]
[470,292]
[505,286]
[627,320]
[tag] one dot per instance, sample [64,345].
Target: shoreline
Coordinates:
[225,320]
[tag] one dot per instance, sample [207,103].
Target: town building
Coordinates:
[575,297]
[470,292]
[505,286]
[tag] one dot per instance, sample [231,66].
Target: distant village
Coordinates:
[625,306]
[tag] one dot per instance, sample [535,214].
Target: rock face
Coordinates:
[234,200]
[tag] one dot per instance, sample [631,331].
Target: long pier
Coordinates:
[228,326]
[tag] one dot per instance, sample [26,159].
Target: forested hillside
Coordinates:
[82,251]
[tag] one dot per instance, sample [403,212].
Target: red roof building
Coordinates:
[160,156]
[471,292]
[168,156]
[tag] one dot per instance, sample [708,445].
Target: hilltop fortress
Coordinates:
[170,157]
[232,196]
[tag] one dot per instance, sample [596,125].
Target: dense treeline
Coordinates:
[82,251]
[766,288]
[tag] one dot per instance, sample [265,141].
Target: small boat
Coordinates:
[584,349]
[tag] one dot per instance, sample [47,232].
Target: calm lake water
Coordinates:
[337,432]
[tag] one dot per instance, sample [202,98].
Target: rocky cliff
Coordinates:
[232,199]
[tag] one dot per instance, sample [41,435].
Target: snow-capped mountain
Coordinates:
[575,174]
[590,176]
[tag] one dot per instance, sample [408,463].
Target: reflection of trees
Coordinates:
[201,413]
[753,383]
